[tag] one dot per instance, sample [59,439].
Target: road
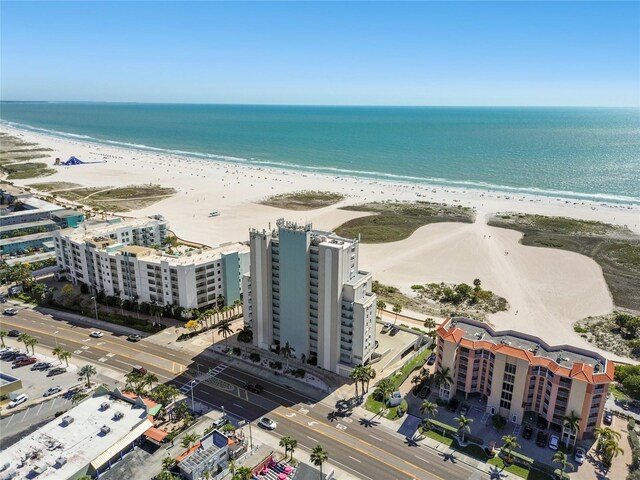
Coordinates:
[356,444]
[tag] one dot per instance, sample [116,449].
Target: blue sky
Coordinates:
[442,53]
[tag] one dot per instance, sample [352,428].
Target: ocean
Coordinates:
[579,153]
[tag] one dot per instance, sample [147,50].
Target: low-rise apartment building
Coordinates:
[520,376]
[305,288]
[118,259]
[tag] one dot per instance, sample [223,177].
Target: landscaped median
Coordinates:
[521,465]
[390,384]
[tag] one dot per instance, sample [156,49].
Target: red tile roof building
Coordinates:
[517,374]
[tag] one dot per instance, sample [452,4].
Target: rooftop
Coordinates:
[26,225]
[91,230]
[69,443]
[33,205]
[25,238]
[478,334]
[197,256]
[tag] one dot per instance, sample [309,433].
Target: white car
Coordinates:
[10,311]
[52,390]
[579,456]
[553,442]
[18,400]
[96,334]
[267,423]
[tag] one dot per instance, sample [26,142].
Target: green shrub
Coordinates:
[578,329]
[254,357]
[499,422]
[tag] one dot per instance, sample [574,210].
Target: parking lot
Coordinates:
[391,346]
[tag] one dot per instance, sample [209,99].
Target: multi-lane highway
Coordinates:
[354,443]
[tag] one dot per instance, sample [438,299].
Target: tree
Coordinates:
[165,475]
[168,463]
[572,422]
[189,439]
[357,375]
[289,444]
[32,342]
[25,338]
[611,450]
[430,324]
[510,443]
[225,330]
[429,409]
[57,352]
[368,374]
[442,376]
[148,380]
[133,381]
[287,351]
[381,306]
[65,355]
[192,325]
[397,308]
[605,434]
[561,458]
[243,473]
[383,389]
[87,372]
[246,336]
[477,285]
[464,425]
[3,333]
[318,456]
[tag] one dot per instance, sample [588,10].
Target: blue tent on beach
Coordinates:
[73,161]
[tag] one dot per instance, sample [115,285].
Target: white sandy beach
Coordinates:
[549,289]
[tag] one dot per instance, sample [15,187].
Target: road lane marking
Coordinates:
[311,424]
[355,459]
[41,405]
[312,439]
[363,452]
[423,459]
[10,418]
[339,426]
[291,415]
[377,438]
[239,406]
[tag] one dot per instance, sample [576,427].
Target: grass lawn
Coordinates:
[392,222]
[438,436]
[53,186]
[27,170]
[617,393]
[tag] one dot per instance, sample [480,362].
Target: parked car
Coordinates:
[10,356]
[10,311]
[386,327]
[527,432]
[432,359]
[41,366]
[608,418]
[134,337]
[24,362]
[267,423]
[96,334]
[625,406]
[541,438]
[393,331]
[18,400]
[464,409]
[453,404]
[51,391]
[424,391]
[580,456]
[14,333]
[139,369]
[553,442]
[254,387]
[56,371]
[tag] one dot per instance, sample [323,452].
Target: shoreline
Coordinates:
[461,186]
[548,289]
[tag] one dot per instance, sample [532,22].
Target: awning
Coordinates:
[155,434]
[153,411]
[120,445]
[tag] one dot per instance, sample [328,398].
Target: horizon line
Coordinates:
[316,105]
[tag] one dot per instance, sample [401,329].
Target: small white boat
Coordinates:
[215,213]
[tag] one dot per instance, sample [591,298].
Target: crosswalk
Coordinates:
[212,373]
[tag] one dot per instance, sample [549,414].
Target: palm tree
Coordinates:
[357,375]
[57,352]
[289,444]
[32,342]
[561,458]
[464,425]
[604,434]
[25,338]
[381,306]
[246,336]
[168,463]
[65,355]
[148,380]
[430,324]
[318,456]
[133,381]
[3,333]
[369,373]
[243,473]
[572,422]
[611,450]
[87,372]
[510,443]
[189,439]
[287,351]
[225,329]
[165,475]
[383,389]
[397,308]
[442,376]
[429,409]
[236,306]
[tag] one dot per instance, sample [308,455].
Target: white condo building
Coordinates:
[304,287]
[118,258]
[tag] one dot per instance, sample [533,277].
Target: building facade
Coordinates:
[304,288]
[119,260]
[521,377]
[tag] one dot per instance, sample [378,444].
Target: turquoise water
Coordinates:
[590,153]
